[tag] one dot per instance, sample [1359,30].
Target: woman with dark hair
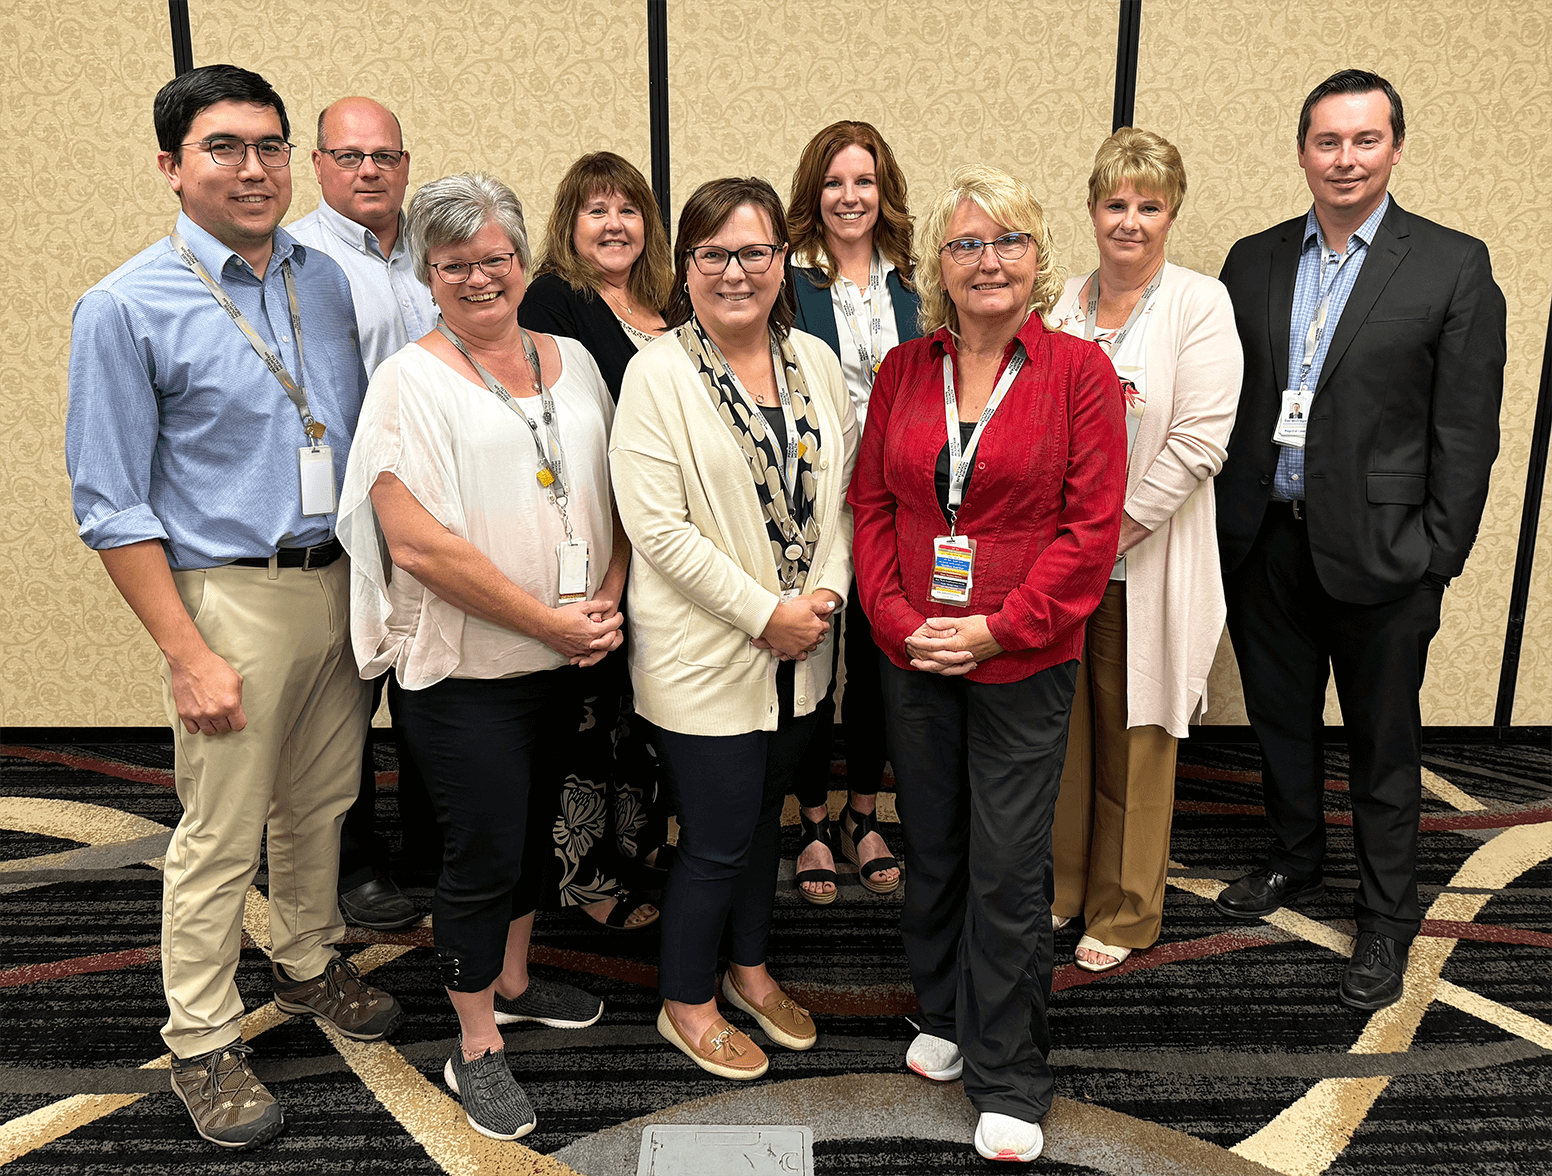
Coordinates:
[603,280]
[730,454]
[852,268]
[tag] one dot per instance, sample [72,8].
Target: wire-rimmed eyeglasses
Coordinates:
[351,159]
[967,250]
[497,265]
[230,151]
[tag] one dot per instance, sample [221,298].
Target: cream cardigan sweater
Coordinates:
[1174,588]
[702,579]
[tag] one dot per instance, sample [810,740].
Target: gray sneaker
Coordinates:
[493,1102]
[229,1106]
[560,1006]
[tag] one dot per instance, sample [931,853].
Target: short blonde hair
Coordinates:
[1149,162]
[1013,206]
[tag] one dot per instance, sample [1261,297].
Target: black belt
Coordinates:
[1294,508]
[306,558]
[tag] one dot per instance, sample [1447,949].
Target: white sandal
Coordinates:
[1118,955]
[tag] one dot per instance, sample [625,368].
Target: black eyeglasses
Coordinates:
[712,260]
[230,151]
[497,265]
[967,250]
[351,160]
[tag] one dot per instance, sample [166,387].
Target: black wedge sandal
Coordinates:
[861,825]
[813,831]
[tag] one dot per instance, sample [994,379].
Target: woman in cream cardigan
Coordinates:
[1170,334]
[731,450]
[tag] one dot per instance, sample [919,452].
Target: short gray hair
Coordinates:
[451,210]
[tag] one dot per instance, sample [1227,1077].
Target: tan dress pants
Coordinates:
[1117,800]
[294,769]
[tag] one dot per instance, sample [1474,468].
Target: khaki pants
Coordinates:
[1117,801]
[294,768]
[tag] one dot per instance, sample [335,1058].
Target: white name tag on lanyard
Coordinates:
[317,469]
[1293,417]
[571,555]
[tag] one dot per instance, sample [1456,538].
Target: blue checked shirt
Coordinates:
[1317,264]
[176,429]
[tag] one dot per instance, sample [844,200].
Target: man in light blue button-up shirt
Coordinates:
[186,454]
[364,171]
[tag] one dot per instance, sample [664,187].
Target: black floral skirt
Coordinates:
[613,810]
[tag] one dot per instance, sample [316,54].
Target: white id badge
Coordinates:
[953,564]
[571,554]
[317,466]
[789,594]
[1291,418]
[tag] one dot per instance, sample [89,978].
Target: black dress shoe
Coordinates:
[379,905]
[1373,976]
[1259,894]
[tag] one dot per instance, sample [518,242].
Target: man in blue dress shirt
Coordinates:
[215,380]
[363,172]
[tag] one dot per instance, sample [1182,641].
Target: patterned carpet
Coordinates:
[1221,1050]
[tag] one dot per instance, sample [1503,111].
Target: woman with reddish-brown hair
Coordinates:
[852,270]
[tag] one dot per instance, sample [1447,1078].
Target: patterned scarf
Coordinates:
[788,526]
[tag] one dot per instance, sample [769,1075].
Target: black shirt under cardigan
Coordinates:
[552,306]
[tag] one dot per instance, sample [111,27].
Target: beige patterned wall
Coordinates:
[522,88]
[1224,81]
[517,89]
[750,84]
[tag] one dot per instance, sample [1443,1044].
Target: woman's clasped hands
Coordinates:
[951,645]
[584,632]
[798,625]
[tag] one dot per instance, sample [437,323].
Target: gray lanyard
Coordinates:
[789,472]
[296,389]
[1091,319]
[869,344]
[959,466]
[548,465]
[1317,326]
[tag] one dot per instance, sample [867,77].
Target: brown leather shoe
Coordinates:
[339,996]
[723,1050]
[229,1106]
[783,1019]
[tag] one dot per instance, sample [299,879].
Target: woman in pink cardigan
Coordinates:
[1170,334]
[986,501]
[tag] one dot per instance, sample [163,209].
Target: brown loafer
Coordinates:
[723,1050]
[785,1021]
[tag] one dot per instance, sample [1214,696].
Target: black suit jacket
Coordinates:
[817,316]
[1403,428]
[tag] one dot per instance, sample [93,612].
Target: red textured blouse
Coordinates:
[1043,504]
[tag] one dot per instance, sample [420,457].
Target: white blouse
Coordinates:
[471,462]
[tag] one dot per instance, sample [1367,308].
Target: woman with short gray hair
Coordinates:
[481,464]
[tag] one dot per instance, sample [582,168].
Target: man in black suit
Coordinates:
[1355,481]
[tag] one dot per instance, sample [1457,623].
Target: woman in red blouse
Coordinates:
[987,501]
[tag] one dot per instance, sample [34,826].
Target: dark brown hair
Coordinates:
[651,275]
[892,233]
[706,211]
[1355,81]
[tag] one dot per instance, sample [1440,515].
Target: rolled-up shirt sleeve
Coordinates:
[112,425]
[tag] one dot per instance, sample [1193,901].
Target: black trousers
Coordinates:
[977,770]
[363,852]
[865,757]
[490,751]
[1290,636]
[727,791]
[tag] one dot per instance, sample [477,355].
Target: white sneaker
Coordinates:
[1002,1137]
[935,1058]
